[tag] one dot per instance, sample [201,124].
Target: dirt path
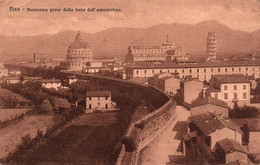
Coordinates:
[166,144]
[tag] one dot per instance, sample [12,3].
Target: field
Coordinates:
[4,93]
[10,136]
[8,114]
[88,139]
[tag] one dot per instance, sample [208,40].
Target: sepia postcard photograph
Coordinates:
[129,82]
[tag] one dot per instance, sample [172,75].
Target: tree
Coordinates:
[61,105]
[46,106]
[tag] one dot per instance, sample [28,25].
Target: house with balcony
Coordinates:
[231,88]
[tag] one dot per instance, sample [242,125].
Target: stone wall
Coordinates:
[145,130]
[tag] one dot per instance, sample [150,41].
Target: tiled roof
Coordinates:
[230,145]
[197,65]
[209,100]
[72,77]
[50,81]
[231,78]
[98,93]
[147,47]
[140,80]
[208,123]
[31,78]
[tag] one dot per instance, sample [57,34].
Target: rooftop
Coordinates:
[72,77]
[230,145]
[231,78]
[209,123]
[205,64]
[50,81]
[209,100]
[140,80]
[98,93]
[237,162]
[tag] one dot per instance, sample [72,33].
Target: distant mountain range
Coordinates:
[114,41]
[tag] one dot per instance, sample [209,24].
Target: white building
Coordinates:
[51,83]
[200,70]
[230,88]
[72,79]
[99,100]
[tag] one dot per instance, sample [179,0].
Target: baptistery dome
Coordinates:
[78,54]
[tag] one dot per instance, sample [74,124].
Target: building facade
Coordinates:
[230,88]
[51,83]
[99,100]
[166,82]
[191,90]
[200,70]
[204,132]
[78,54]
[166,51]
[210,105]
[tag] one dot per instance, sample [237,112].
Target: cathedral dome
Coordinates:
[79,43]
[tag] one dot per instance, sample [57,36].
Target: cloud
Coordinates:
[236,14]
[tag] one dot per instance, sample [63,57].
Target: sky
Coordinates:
[241,15]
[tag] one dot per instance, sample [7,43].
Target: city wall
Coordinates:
[144,130]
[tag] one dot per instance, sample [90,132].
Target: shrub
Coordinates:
[129,143]
[46,106]
[243,112]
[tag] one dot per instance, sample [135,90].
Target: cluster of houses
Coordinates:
[213,138]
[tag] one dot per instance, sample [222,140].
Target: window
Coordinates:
[216,96]
[144,71]
[225,87]
[235,87]
[205,70]
[232,69]
[168,71]
[182,70]
[198,70]
[244,86]
[98,98]
[211,69]
[106,97]
[98,103]
[190,70]
[235,95]
[225,69]
[239,69]
[89,98]
[218,69]
[106,106]
[160,71]
[89,106]
[246,69]
[244,95]
[153,71]
[137,72]
[225,96]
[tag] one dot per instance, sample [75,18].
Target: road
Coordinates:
[166,144]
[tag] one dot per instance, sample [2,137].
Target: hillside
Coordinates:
[114,41]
